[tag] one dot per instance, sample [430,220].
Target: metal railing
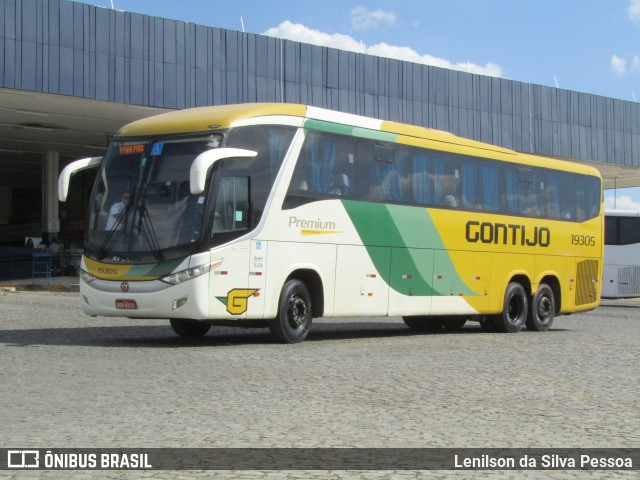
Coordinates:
[21,263]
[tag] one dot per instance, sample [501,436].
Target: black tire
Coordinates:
[189,328]
[454,323]
[294,318]
[514,310]
[424,323]
[542,310]
[486,323]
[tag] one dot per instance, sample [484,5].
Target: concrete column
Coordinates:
[50,218]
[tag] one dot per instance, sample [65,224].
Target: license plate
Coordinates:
[126,304]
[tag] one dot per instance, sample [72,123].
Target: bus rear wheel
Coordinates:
[189,328]
[514,310]
[542,310]
[294,318]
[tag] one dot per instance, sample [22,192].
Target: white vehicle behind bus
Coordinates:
[621,275]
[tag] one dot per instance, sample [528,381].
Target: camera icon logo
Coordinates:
[23,459]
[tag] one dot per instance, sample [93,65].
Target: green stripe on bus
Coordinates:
[154,270]
[413,238]
[341,129]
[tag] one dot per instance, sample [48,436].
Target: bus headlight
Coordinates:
[86,276]
[189,273]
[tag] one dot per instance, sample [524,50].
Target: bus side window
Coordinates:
[422,185]
[326,166]
[567,197]
[629,231]
[590,189]
[386,172]
[446,181]
[492,187]
[231,212]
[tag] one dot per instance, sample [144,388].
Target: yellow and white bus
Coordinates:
[274,214]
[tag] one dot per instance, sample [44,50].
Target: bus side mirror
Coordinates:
[204,161]
[72,168]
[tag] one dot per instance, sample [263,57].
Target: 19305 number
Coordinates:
[586,240]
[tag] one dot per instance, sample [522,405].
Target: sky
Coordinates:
[589,46]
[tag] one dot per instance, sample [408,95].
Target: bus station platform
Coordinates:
[57,284]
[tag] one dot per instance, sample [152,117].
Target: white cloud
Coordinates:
[410,55]
[623,202]
[363,19]
[300,33]
[634,10]
[618,65]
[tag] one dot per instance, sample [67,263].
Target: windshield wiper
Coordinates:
[118,226]
[145,225]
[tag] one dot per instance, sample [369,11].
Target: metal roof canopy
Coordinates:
[32,123]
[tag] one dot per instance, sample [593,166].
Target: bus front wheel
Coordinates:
[514,310]
[543,309]
[454,323]
[294,318]
[189,328]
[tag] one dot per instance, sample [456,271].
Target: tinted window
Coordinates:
[621,230]
[326,167]
[387,172]
[272,143]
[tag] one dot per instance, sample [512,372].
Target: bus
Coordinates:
[621,273]
[270,215]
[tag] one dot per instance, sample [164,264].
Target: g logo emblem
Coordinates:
[237,300]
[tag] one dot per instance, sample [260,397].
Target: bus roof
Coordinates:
[622,213]
[210,119]
[206,119]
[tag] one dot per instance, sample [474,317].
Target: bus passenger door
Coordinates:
[361,287]
[229,292]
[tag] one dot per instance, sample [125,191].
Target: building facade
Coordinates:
[93,54]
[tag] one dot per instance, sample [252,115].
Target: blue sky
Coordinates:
[583,45]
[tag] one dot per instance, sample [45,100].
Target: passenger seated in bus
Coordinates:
[449,201]
[551,200]
[449,197]
[395,187]
[339,184]
[301,179]
[580,202]
[530,206]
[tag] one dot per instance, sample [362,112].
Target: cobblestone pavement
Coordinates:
[69,380]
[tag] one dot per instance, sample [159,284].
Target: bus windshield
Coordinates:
[142,201]
[142,208]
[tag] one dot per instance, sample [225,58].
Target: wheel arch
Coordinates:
[554,284]
[314,284]
[523,280]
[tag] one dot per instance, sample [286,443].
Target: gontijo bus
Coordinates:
[273,214]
